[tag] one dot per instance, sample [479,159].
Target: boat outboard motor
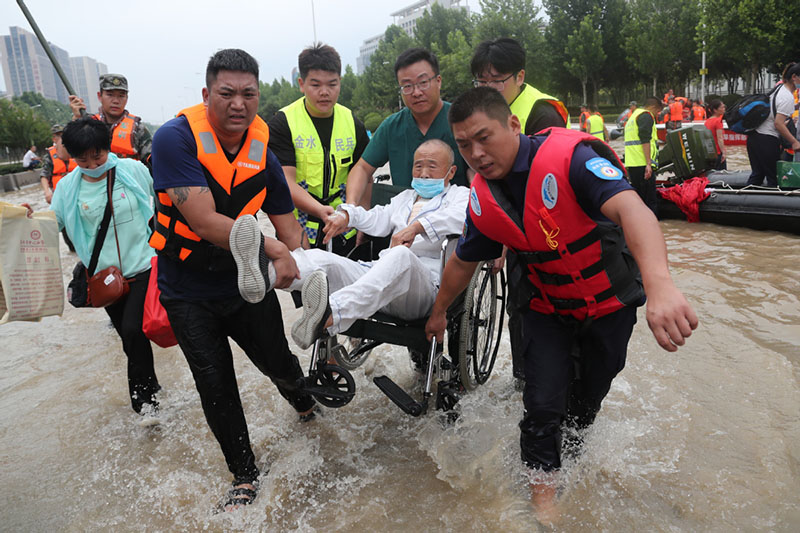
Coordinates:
[688,152]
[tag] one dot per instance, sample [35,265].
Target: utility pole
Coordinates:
[314,21]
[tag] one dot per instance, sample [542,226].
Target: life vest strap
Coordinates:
[570,304]
[548,278]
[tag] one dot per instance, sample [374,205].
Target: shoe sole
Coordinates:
[315,302]
[244,240]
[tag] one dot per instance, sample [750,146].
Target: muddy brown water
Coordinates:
[706,439]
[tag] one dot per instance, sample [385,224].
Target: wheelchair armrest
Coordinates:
[448,247]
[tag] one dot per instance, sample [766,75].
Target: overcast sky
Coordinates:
[162,46]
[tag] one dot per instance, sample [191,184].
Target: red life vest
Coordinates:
[122,135]
[60,169]
[578,267]
[238,188]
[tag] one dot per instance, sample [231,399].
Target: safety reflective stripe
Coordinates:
[595,123]
[250,161]
[634,154]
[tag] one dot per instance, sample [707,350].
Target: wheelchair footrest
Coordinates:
[400,397]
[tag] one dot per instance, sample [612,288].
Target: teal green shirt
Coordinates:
[398,137]
[79,206]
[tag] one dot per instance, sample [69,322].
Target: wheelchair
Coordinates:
[474,328]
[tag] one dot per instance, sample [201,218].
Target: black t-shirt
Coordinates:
[281,144]
[543,115]
[645,124]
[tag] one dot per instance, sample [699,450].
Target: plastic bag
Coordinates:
[155,323]
[32,285]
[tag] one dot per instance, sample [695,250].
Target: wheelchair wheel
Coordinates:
[353,354]
[481,326]
[338,379]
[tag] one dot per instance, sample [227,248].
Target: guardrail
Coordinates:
[11,182]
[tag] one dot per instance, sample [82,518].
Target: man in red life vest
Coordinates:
[560,201]
[129,136]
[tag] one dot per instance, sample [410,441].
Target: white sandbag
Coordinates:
[30,265]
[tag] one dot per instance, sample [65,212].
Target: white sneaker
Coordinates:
[316,310]
[246,246]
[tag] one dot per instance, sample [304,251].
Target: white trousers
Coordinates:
[397,284]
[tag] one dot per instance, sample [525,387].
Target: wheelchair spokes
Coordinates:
[481,326]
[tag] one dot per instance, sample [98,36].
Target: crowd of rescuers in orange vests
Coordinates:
[493,130]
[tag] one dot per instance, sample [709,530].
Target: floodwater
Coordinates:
[705,439]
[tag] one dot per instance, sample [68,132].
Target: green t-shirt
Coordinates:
[132,230]
[398,137]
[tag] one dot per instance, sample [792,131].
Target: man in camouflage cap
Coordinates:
[129,137]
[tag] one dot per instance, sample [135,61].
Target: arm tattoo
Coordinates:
[182,193]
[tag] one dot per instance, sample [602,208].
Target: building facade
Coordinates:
[26,68]
[406,18]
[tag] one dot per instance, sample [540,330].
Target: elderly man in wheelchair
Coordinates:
[384,297]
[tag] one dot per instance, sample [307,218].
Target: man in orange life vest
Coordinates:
[211,166]
[129,136]
[675,113]
[560,201]
[55,165]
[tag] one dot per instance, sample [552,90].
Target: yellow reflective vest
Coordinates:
[634,154]
[595,126]
[527,98]
[321,170]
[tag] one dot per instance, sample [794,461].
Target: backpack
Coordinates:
[749,112]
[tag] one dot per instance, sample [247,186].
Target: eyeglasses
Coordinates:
[423,85]
[495,84]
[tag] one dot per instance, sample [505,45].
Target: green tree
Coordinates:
[660,40]
[434,28]
[454,66]
[518,19]
[348,87]
[379,89]
[52,111]
[275,96]
[565,17]
[585,50]
[20,127]
[751,33]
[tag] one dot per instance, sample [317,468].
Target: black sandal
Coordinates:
[240,496]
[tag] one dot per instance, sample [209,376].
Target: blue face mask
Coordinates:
[426,187]
[102,169]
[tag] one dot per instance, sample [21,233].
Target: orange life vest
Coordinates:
[122,135]
[698,112]
[238,188]
[676,111]
[583,118]
[578,267]
[60,169]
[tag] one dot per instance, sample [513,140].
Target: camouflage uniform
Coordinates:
[47,168]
